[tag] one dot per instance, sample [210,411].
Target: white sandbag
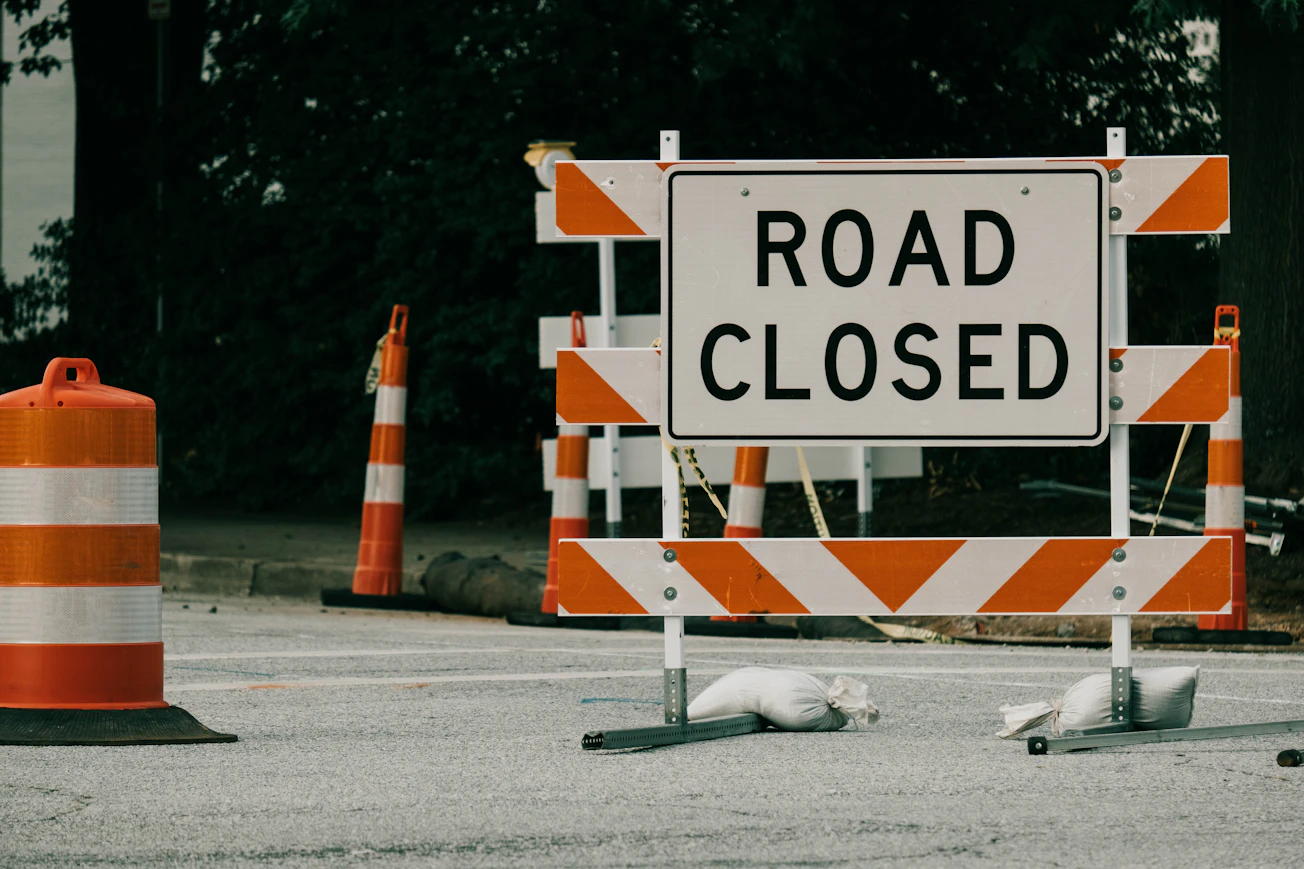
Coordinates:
[787,699]
[1162,698]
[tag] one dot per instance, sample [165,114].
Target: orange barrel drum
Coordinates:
[80,599]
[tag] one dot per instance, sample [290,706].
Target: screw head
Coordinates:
[1115,403]
[670,592]
[1115,212]
[1119,554]
[1119,592]
[746,192]
[610,182]
[1024,191]
[670,555]
[1116,365]
[1115,176]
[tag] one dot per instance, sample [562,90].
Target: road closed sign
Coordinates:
[895,303]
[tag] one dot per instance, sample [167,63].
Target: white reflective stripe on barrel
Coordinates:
[570,498]
[1231,429]
[1224,507]
[746,505]
[78,496]
[384,484]
[391,405]
[62,615]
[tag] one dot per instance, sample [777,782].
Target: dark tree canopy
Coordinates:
[338,157]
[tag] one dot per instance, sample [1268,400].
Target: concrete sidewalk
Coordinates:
[240,555]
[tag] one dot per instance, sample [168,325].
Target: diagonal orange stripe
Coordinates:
[892,569]
[583,209]
[733,577]
[1199,394]
[1204,584]
[1051,577]
[584,588]
[584,397]
[1198,205]
[1117,352]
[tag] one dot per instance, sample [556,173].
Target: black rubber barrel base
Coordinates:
[345,597]
[1195,637]
[552,620]
[167,726]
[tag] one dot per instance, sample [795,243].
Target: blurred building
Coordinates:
[37,136]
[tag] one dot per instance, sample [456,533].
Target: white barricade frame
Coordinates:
[1116,576]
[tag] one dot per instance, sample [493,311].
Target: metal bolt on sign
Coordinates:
[746,192]
[670,555]
[1024,191]
[1115,176]
[1115,213]
[670,592]
[1116,365]
[1119,592]
[1119,555]
[1115,402]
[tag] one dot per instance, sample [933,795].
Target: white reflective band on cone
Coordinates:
[1231,429]
[391,405]
[78,496]
[573,431]
[81,614]
[1224,507]
[746,505]
[384,484]
[570,498]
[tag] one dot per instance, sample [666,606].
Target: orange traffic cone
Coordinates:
[570,488]
[746,502]
[81,644]
[380,554]
[1224,496]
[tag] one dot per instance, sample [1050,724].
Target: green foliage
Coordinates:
[364,154]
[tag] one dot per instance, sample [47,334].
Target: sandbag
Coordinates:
[1163,698]
[787,699]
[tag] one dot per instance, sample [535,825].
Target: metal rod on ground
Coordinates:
[610,433]
[1043,744]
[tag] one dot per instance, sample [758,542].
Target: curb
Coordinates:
[242,577]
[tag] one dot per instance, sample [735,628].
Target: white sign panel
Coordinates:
[890,303]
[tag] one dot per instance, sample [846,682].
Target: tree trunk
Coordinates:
[125,148]
[1262,260]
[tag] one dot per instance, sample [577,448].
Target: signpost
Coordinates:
[926,303]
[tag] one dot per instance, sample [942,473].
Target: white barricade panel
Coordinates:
[1148,385]
[948,576]
[1169,195]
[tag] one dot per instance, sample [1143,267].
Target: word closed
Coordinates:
[921,303]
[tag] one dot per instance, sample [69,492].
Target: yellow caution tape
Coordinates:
[1181,445]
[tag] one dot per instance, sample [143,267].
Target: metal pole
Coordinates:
[610,433]
[676,689]
[1120,523]
[158,219]
[864,489]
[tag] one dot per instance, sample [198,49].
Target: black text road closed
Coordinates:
[925,303]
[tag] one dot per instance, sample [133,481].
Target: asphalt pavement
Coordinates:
[416,739]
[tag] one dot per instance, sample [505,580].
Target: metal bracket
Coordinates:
[673,734]
[676,694]
[1043,744]
[1120,705]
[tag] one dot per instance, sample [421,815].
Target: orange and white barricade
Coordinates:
[570,493]
[81,644]
[1224,496]
[380,553]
